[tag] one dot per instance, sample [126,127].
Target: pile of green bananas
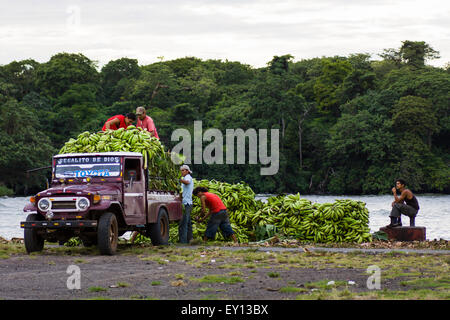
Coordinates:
[341,221]
[163,173]
[293,216]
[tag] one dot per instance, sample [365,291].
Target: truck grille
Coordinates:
[63,205]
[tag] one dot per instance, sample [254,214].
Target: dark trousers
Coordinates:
[399,208]
[185,225]
[219,220]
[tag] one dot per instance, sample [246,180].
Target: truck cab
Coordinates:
[98,197]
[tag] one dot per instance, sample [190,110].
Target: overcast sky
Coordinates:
[249,31]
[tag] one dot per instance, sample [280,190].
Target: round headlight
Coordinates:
[44,204]
[83,203]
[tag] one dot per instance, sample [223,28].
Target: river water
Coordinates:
[434,213]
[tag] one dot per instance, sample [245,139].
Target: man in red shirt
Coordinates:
[119,121]
[217,212]
[145,122]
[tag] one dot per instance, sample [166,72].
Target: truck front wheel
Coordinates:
[159,231]
[33,241]
[107,234]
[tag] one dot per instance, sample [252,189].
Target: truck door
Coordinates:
[134,191]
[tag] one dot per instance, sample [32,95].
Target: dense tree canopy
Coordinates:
[347,125]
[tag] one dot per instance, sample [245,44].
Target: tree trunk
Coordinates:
[300,143]
[429,139]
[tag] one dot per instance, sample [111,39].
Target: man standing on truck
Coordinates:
[217,212]
[145,122]
[185,226]
[119,121]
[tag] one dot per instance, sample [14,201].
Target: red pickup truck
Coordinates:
[98,197]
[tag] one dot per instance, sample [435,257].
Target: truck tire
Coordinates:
[107,233]
[33,241]
[159,231]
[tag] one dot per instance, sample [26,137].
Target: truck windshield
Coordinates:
[80,167]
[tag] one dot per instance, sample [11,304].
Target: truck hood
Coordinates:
[81,189]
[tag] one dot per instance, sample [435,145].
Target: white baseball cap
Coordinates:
[140,110]
[184,166]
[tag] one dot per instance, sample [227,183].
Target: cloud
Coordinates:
[251,31]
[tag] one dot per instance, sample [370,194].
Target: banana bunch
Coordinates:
[163,173]
[284,212]
[292,216]
[341,221]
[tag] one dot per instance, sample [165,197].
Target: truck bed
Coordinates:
[162,199]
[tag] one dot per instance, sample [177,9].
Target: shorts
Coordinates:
[219,220]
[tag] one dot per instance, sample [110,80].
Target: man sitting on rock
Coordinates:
[406,204]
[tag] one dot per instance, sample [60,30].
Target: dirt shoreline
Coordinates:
[199,272]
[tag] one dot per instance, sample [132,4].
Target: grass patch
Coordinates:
[218,278]
[139,297]
[209,289]
[7,250]
[273,274]
[230,266]
[255,257]
[79,261]
[122,284]
[282,260]
[419,294]
[427,283]
[97,289]
[292,289]
[211,297]
[323,284]
[155,283]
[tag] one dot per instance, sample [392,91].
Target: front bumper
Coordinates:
[59,224]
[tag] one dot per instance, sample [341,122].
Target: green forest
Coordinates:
[347,125]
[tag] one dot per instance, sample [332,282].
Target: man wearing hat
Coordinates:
[185,226]
[145,122]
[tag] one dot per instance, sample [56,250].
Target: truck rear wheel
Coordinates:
[33,241]
[107,234]
[159,231]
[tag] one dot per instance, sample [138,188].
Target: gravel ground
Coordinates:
[148,275]
[45,277]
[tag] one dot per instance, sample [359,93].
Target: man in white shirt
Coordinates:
[185,226]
